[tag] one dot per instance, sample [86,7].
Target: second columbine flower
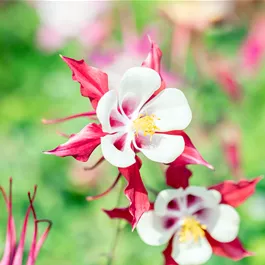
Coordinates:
[189,217]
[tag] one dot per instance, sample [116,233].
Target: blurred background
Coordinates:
[213,50]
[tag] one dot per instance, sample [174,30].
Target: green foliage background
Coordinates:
[34,84]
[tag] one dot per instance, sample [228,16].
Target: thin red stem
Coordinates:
[43,237]
[92,198]
[20,248]
[31,258]
[117,233]
[65,135]
[96,164]
[83,114]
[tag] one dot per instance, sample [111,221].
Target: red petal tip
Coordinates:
[149,38]
[90,198]
[44,121]
[134,226]
[258,179]
[210,166]
[62,134]
[113,185]
[48,152]
[250,253]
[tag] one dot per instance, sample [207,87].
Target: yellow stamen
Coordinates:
[146,124]
[191,229]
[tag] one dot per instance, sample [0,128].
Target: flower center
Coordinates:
[146,124]
[191,229]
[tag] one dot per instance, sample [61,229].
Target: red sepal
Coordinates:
[190,154]
[235,193]
[80,145]
[153,59]
[93,82]
[123,213]
[120,213]
[135,192]
[168,260]
[232,250]
[178,176]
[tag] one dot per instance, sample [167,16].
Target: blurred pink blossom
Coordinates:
[133,53]
[64,20]
[198,14]
[190,19]
[253,48]
[231,144]
[224,73]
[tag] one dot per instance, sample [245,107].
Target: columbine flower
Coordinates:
[134,120]
[187,216]
[195,222]
[64,20]
[139,115]
[13,253]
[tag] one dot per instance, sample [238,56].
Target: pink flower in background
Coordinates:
[13,253]
[189,19]
[231,144]
[226,74]
[140,114]
[64,20]
[253,48]
[198,14]
[133,53]
[195,222]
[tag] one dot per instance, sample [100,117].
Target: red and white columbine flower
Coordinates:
[195,222]
[13,253]
[134,121]
[140,115]
[187,216]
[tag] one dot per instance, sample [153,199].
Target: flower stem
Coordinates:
[117,232]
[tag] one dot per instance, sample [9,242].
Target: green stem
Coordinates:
[117,233]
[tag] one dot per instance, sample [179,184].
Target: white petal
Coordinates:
[118,158]
[172,109]
[107,108]
[191,253]
[225,229]
[138,83]
[163,199]
[151,231]
[217,195]
[203,198]
[162,148]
